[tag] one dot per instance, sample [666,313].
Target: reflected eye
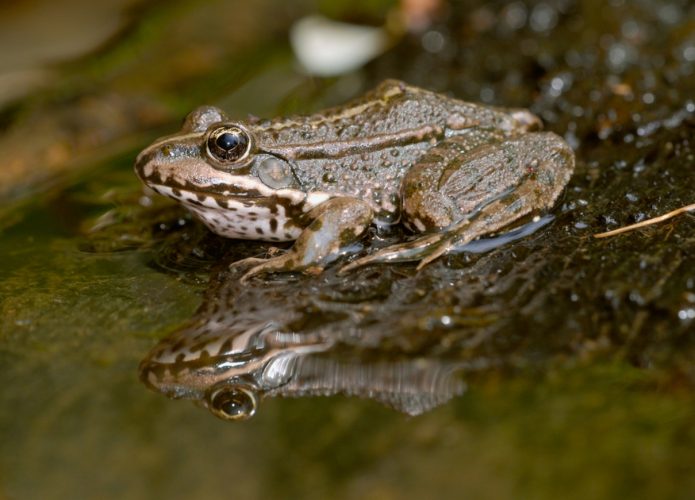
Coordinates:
[228,144]
[233,403]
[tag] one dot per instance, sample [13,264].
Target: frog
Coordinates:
[446,170]
[230,360]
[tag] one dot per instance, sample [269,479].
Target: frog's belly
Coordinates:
[239,220]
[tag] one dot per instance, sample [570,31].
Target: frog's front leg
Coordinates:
[459,197]
[335,224]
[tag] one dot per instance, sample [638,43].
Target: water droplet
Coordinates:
[543,17]
[515,15]
[686,314]
[433,41]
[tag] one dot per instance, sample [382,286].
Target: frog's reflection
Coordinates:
[228,368]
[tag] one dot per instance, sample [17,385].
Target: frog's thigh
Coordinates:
[528,171]
[477,193]
[336,224]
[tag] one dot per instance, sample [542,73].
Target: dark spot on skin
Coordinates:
[259,230]
[251,213]
[347,236]
[198,346]
[178,345]
[225,346]
[243,228]
[220,203]
[201,197]
[274,238]
[176,369]
[176,192]
[180,357]
[289,236]
[273,224]
[233,209]
[316,225]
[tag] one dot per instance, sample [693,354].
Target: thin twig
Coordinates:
[648,222]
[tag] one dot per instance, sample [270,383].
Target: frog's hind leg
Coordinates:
[459,198]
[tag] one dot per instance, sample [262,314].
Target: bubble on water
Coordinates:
[433,41]
[686,314]
[487,94]
[515,15]
[631,29]
[620,55]
[689,53]
[543,18]
[670,14]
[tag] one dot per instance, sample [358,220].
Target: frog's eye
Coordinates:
[228,144]
[233,403]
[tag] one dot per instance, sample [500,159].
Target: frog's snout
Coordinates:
[143,164]
[150,374]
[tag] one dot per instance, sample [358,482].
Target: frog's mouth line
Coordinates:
[211,200]
[265,371]
[221,199]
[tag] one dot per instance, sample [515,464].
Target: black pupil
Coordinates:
[234,403]
[233,407]
[227,141]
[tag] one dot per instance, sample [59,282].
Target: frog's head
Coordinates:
[218,169]
[213,155]
[226,370]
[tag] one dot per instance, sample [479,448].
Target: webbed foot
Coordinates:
[424,249]
[282,263]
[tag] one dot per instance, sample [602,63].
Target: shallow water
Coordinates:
[583,349]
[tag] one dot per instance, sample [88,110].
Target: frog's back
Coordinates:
[391,107]
[378,138]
